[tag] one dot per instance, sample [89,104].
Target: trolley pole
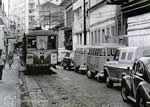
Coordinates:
[84,22]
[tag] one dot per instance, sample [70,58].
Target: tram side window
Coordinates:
[89,52]
[103,53]
[99,52]
[96,52]
[108,52]
[52,42]
[113,51]
[32,42]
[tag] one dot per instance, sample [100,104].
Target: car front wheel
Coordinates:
[109,83]
[140,102]
[124,93]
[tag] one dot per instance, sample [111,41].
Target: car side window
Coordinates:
[123,55]
[140,68]
[130,55]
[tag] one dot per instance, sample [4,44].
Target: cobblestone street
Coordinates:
[67,89]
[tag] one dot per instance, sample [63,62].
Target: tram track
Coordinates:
[62,94]
[66,89]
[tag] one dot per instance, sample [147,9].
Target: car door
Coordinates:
[137,77]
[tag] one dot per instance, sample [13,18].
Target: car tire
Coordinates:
[90,77]
[124,93]
[64,68]
[140,102]
[109,83]
[70,69]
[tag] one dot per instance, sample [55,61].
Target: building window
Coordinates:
[99,36]
[108,35]
[95,37]
[103,35]
[108,31]
[91,38]
[112,30]
[80,39]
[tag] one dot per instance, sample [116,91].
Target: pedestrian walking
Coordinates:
[1,64]
[10,59]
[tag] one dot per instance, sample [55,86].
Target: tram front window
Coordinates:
[51,42]
[32,42]
[42,42]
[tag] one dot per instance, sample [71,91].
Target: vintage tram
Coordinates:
[40,50]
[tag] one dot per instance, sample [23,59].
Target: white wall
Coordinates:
[102,13]
[103,19]
[139,30]
[78,25]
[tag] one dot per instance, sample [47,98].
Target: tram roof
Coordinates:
[41,33]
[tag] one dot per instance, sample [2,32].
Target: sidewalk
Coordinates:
[9,90]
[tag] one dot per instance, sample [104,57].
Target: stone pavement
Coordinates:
[9,87]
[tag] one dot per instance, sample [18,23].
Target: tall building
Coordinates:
[135,24]
[78,23]
[67,28]
[103,23]
[50,15]
[31,14]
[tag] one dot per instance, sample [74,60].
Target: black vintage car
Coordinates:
[68,63]
[136,85]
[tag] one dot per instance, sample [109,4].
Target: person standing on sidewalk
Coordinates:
[10,59]
[1,64]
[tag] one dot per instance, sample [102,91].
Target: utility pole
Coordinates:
[84,22]
[49,16]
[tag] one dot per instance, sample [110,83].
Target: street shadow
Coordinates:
[40,72]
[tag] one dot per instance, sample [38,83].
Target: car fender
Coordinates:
[106,72]
[143,90]
[126,82]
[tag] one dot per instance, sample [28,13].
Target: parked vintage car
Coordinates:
[83,69]
[136,85]
[68,63]
[125,57]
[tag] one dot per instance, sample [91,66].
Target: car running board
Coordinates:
[132,99]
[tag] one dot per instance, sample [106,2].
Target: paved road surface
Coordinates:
[68,89]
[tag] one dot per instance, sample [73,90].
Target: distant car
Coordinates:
[61,54]
[68,63]
[136,85]
[83,69]
[91,74]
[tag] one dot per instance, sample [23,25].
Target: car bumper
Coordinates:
[148,103]
[39,65]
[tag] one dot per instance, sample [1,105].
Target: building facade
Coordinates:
[135,25]
[78,24]
[136,16]
[50,15]
[68,22]
[103,22]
